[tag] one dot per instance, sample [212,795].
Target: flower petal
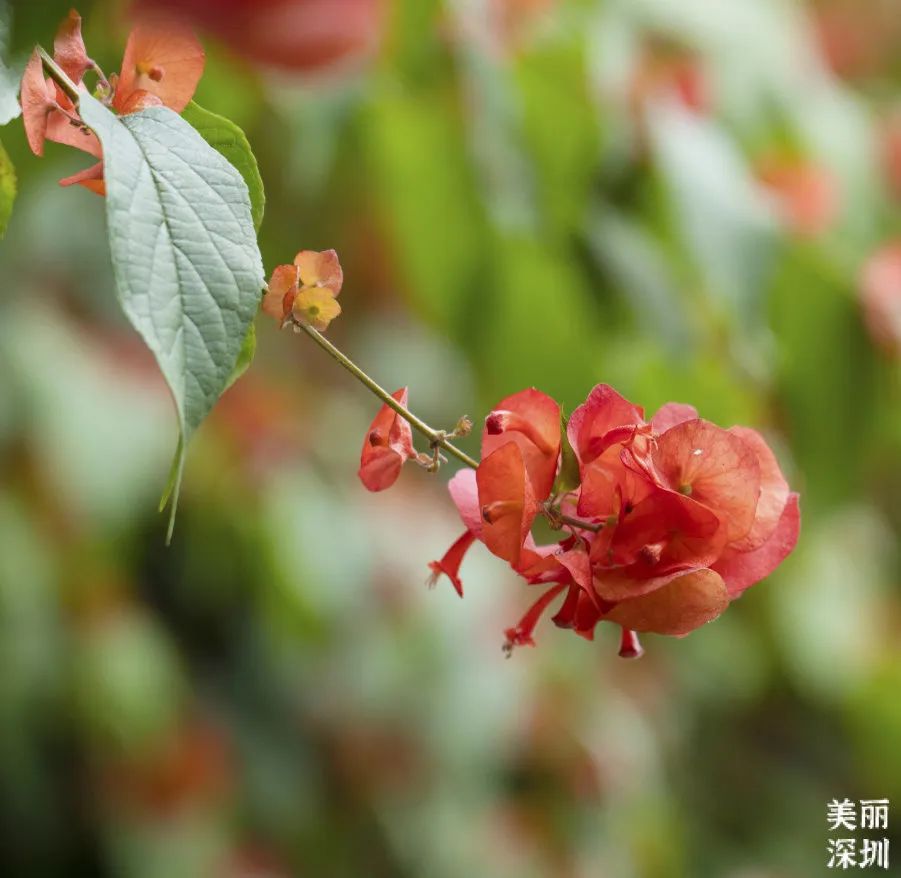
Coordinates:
[69,50]
[608,485]
[685,603]
[773,491]
[602,412]
[531,419]
[388,444]
[506,500]
[450,563]
[91,178]
[280,292]
[666,531]
[37,99]
[61,130]
[316,307]
[672,413]
[741,570]
[320,269]
[140,100]
[163,58]
[716,467]
[465,493]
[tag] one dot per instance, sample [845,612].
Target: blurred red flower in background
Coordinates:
[807,194]
[880,297]
[299,35]
[890,133]
[668,70]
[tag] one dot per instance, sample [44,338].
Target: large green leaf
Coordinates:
[9,93]
[9,77]
[185,258]
[7,189]
[229,140]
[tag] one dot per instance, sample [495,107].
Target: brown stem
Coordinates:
[58,75]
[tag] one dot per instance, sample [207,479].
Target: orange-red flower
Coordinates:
[450,563]
[307,289]
[311,36]
[162,65]
[531,420]
[676,516]
[388,444]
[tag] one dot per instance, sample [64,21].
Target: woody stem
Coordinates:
[436,437]
[58,75]
[576,522]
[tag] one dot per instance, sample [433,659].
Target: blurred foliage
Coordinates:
[522,192]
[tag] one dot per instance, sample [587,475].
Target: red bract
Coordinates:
[299,35]
[38,99]
[162,59]
[162,65]
[676,516]
[449,565]
[531,419]
[388,444]
[714,467]
[880,297]
[807,194]
[69,50]
[507,501]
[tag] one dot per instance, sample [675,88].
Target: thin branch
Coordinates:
[58,75]
[436,437]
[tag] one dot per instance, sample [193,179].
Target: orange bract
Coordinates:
[38,100]
[69,50]
[163,59]
[315,306]
[306,290]
[162,65]
[320,269]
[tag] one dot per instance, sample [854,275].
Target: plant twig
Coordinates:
[436,437]
[58,75]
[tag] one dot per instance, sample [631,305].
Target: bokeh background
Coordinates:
[685,200]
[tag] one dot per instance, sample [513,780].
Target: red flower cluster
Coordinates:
[161,66]
[668,520]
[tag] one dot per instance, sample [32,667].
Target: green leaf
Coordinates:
[569,477]
[9,76]
[9,94]
[245,356]
[7,189]
[229,140]
[187,267]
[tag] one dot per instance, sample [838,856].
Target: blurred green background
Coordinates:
[674,198]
